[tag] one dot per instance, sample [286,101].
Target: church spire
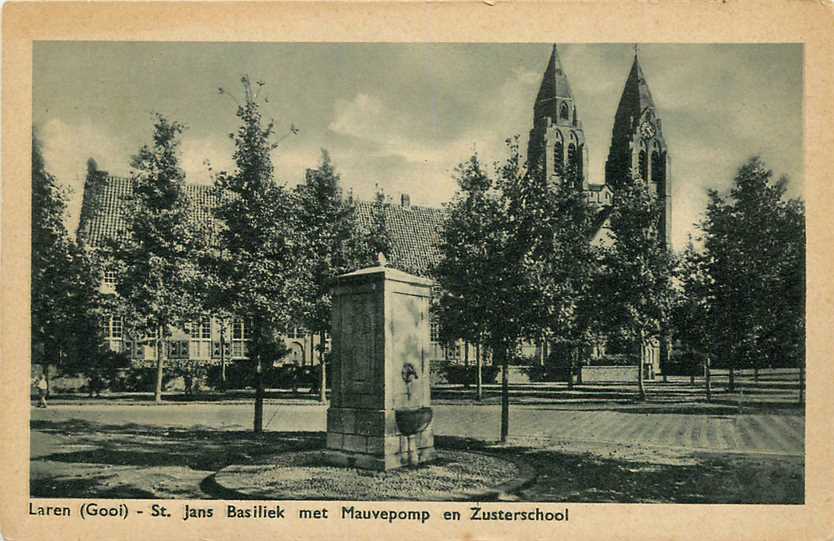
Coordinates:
[557,142]
[553,89]
[636,123]
[638,147]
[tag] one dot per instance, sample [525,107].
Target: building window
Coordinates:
[110,278]
[240,334]
[115,327]
[205,328]
[215,350]
[657,171]
[572,165]
[177,349]
[435,330]
[643,166]
[558,159]
[239,330]
[564,112]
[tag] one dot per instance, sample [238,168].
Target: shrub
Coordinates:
[685,363]
[523,360]
[615,359]
[538,373]
[455,374]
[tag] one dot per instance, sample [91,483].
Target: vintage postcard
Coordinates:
[456,270]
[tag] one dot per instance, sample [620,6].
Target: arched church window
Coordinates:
[558,158]
[643,171]
[580,174]
[564,112]
[574,116]
[657,171]
[572,166]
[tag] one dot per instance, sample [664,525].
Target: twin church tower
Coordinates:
[638,148]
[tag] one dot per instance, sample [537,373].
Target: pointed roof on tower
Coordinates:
[554,85]
[636,98]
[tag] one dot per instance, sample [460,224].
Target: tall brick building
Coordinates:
[557,141]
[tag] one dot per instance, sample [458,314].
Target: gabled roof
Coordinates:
[102,216]
[414,230]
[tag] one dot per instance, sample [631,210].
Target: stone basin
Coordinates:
[412,420]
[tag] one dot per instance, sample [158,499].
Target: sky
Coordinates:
[402,116]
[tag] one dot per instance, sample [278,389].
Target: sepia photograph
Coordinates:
[506,272]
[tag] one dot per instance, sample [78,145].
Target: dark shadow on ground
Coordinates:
[714,478]
[137,447]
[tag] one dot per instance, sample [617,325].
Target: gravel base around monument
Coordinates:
[454,475]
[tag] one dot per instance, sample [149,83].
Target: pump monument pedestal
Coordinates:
[379,416]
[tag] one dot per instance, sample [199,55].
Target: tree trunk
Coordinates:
[466,364]
[665,354]
[222,357]
[693,369]
[160,363]
[505,395]
[641,384]
[259,396]
[480,376]
[571,367]
[731,386]
[322,370]
[47,378]
[707,378]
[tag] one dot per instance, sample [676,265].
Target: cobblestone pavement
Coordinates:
[724,430]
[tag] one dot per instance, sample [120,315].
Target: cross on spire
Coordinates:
[636,47]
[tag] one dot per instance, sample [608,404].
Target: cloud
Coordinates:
[397,149]
[66,148]
[200,156]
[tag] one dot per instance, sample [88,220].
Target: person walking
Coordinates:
[42,386]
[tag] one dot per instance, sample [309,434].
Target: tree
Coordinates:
[65,299]
[155,257]
[787,338]
[212,291]
[693,311]
[483,247]
[564,263]
[263,255]
[754,242]
[335,246]
[378,237]
[464,245]
[636,273]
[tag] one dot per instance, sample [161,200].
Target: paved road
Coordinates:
[768,433]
